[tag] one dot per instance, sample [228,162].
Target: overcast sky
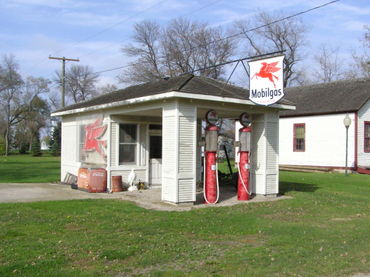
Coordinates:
[94,31]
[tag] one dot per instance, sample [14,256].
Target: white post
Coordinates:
[179,120]
[109,140]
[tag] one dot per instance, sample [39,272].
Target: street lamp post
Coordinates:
[347,123]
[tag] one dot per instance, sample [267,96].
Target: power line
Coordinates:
[266,25]
[237,60]
[111,26]
[111,69]
[103,30]
[241,33]
[189,13]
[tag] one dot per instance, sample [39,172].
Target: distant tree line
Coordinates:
[170,50]
[26,104]
[183,46]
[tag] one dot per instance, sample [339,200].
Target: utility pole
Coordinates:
[63,59]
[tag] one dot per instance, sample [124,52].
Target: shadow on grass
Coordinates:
[303,187]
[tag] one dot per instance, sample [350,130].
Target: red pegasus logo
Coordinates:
[93,134]
[266,71]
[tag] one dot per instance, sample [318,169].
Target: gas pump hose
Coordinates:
[240,176]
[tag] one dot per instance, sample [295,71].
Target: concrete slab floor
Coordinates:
[148,199]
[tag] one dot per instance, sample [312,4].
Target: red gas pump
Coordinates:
[210,182]
[244,151]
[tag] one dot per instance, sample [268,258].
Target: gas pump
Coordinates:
[210,183]
[244,157]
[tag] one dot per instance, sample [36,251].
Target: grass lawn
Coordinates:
[322,231]
[28,169]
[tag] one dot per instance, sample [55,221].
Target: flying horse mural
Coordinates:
[93,137]
[266,72]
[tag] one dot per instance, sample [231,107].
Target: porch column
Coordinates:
[179,131]
[265,154]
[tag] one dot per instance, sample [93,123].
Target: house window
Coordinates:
[367,136]
[299,140]
[127,143]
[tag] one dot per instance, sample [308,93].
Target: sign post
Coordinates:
[266,80]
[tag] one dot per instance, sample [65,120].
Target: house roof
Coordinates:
[186,83]
[336,97]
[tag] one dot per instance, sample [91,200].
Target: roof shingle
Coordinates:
[186,83]
[336,97]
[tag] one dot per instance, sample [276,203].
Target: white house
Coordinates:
[155,129]
[314,135]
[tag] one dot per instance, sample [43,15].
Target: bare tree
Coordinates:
[329,67]
[360,66]
[182,46]
[80,82]
[10,95]
[108,88]
[36,117]
[287,35]
[19,100]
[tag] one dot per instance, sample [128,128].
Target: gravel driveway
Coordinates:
[44,192]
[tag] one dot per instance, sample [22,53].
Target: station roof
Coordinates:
[328,98]
[186,83]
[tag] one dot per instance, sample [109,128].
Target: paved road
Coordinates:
[44,192]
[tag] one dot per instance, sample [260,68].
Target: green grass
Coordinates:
[224,168]
[322,231]
[28,169]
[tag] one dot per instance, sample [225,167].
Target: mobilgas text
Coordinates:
[265,92]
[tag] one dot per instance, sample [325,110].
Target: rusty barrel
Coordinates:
[97,180]
[117,184]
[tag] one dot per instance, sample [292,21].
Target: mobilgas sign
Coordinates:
[266,80]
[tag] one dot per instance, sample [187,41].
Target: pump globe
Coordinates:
[212,117]
[347,121]
[244,119]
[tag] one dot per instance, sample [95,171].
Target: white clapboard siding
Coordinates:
[257,152]
[199,152]
[69,147]
[363,115]
[140,174]
[325,141]
[169,152]
[187,152]
[272,150]
[114,143]
[264,173]
[186,142]
[179,152]
[186,190]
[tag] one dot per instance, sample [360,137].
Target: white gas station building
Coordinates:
[155,130]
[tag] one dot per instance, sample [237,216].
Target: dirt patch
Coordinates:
[341,219]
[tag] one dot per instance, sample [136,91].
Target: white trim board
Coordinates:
[168,95]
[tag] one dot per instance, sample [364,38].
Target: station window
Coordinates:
[127,143]
[82,136]
[367,136]
[299,139]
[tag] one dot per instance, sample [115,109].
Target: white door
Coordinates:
[155,172]
[155,158]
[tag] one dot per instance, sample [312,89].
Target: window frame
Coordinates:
[81,133]
[366,125]
[137,144]
[295,126]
